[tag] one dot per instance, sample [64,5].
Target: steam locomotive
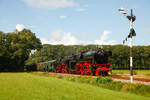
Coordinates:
[86,63]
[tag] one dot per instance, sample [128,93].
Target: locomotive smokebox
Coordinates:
[101,56]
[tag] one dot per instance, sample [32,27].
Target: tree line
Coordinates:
[119,60]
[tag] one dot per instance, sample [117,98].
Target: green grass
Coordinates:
[103,82]
[25,86]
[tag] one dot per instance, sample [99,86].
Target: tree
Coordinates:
[15,49]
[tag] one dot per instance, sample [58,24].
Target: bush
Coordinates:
[114,85]
[138,88]
[85,79]
[101,80]
[31,67]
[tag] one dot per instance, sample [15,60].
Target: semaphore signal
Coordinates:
[132,33]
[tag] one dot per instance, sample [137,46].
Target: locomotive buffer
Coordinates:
[131,34]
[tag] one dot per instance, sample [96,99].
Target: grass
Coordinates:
[103,82]
[26,86]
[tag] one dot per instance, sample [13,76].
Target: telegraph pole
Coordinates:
[131,34]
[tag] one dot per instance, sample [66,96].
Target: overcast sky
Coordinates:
[77,21]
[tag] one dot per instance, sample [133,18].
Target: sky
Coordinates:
[81,22]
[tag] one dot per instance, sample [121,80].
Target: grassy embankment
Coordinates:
[25,86]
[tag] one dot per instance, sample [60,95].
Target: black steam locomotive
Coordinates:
[85,63]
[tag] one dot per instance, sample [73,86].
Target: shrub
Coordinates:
[85,79]
[137,88]
[114,85]
[101,80]
[31,67]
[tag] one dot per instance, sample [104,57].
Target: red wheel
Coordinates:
[97,73]
[85,73]
[82,72]
[63,71]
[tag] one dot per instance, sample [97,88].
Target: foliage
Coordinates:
[15,48]
[101,80]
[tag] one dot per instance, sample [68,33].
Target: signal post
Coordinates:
[132,33]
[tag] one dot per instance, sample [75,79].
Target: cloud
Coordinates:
[51,4]
[60,37]
[62,17]
[104,39]
[19,27]
[105,35]
[66,38]
[80,9]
